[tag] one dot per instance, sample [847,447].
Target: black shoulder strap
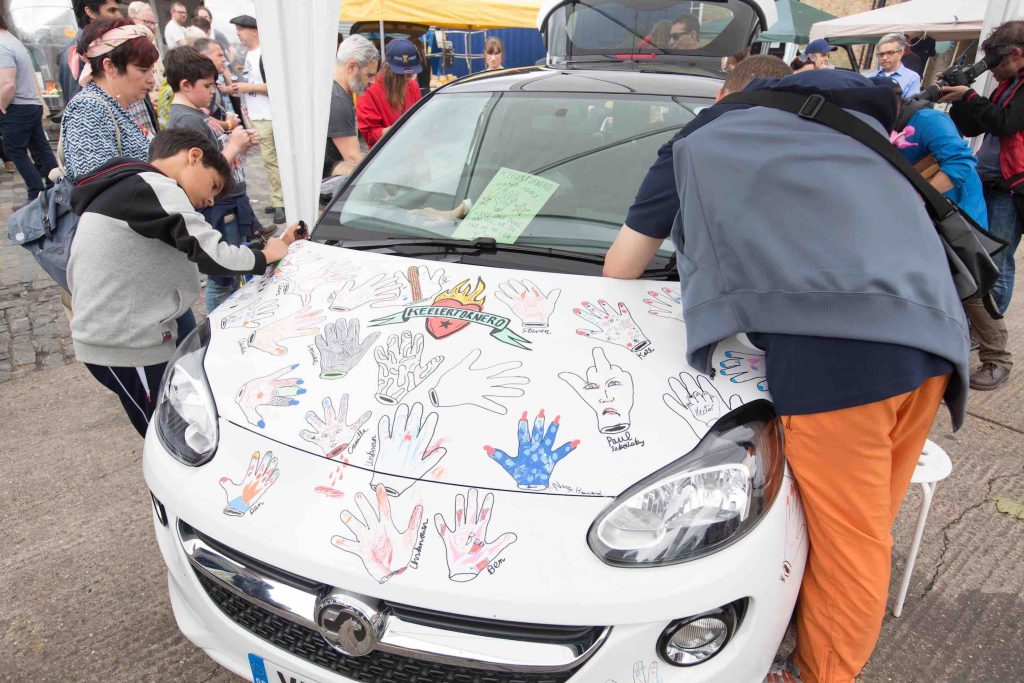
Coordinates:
[263,74]
[817,108]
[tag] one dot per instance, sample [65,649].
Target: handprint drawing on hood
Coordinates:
[273,390]
[607,389]
[466,546]
[613,325]
[536,457]
[340,348]
[251,316]
[384,550]
[399,367]
[407,449]
[697,401]
[242,496]
[304,281]
[301,323]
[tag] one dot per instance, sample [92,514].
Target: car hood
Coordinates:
[423,372]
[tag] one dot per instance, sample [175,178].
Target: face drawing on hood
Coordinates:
[607,389]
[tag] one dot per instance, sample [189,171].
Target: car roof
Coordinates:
[619,81]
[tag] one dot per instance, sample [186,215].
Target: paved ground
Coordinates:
[83,595]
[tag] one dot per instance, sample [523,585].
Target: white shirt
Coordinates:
[173,32]
[258,106]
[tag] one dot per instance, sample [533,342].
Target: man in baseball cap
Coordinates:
[818,51]
[403,57]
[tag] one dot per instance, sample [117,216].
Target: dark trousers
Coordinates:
[3,154]
[136,388]
[233,218]
[22,128]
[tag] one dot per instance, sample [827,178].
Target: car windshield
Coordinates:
[717,28]
[587,153]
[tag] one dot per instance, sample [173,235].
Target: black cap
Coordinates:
[245,21]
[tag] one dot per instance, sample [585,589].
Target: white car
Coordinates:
[432,445]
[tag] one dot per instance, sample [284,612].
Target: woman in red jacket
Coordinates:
[394,90]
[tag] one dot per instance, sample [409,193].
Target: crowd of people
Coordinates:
[154,139]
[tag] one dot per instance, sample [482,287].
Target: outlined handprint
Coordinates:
[399,367]
[384,550]
[607,389]
[260,476]
[331,433]
[303,284]
[301,323]
[528,302]
[697,401]
[740,367]
[340,348]
[466,547]
[245,296]
[418,285]
[613,326]
[271,390]
[251,316]
[407,449]
[536,457]
[642,675]
[374,290]
[796,530]
[466,384]
[666,303]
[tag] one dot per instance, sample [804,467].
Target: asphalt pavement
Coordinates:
[83,592]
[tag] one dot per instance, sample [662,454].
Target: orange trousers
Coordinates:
[853,467]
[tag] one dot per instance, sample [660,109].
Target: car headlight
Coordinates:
[186,415]
[699,504]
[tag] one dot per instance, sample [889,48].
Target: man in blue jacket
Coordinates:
[862,328]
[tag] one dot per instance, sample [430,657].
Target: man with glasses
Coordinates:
[891,48]
[174,32]
[685,33]
[1000,117]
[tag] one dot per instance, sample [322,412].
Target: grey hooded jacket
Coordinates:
[787,226]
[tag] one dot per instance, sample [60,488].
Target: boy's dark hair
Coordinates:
[201,23]
[757,66]
[170,141]
[137,51]
[185,63]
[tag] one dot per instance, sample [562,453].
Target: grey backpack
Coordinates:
[46,226]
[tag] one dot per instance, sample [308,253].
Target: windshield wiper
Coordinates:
[478,246]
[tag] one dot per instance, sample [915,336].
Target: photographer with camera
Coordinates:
[1001,167]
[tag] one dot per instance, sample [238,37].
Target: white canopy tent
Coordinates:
[299,41]
[940,19]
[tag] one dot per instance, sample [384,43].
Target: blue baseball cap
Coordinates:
[819,47]
[403,57]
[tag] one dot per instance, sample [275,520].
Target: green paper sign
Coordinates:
[509,202]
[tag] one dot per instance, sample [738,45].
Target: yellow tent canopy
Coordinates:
[455,14]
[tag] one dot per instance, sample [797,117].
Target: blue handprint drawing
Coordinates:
[536,459]
[742,367]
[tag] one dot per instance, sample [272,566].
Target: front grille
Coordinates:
[376,667]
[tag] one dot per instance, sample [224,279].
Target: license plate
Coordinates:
[264,671]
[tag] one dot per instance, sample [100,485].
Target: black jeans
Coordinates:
[22,128]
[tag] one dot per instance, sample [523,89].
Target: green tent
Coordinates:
[794,24]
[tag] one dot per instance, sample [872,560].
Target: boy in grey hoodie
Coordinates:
[135,261]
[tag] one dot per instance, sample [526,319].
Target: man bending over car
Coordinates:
[135,261]
[848,291]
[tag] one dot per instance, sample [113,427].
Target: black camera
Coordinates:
[958,75]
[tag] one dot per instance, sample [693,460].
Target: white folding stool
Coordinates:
[933,467]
